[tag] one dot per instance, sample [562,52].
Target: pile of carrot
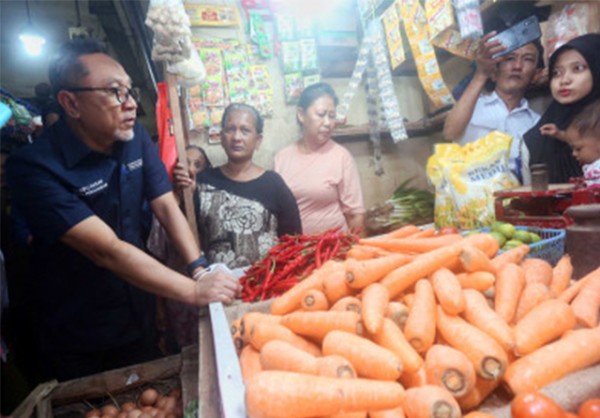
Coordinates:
[414,324]
[291,260]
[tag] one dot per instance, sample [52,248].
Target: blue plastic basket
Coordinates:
[550,248]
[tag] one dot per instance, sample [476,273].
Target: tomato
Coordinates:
[535,405]
[447,230]
[590,408]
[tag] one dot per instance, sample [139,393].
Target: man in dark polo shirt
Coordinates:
[81,189]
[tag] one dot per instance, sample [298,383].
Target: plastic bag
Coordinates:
[190,72]
[466,179]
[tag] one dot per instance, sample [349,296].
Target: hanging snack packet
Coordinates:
[393,37]
[291,58]
[284,23]
[468,17]
[308,55]
[440,16]
[259,36]
[311,79]
[293,87]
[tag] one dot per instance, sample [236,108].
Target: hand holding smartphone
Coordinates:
[522,33]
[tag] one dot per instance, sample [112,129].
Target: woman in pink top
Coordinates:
[321,173]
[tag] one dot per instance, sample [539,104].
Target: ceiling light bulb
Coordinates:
[33,43]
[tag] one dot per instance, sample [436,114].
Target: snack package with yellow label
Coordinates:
[444,210]
[471,174]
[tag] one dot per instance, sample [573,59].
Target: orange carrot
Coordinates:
[361,414]
[275,394]
[473,259]
[251,318]
[392,338]
[402,232]
[365,252]
[576,350]
[408,299]
[485,242]
[360,274]
[335,366]
[422,266]
[424,233]
[314,300]
[510,282]
[430,401]
[397,412]
[414,379]
[280,355]
[533,294]
[514,255]
[369,359]
[375,299]
[249,362]
[449,368]
[479,313]
[478,414]
[573,290]
[291,299]
[478,280]
[334,284]
[316,325]
[420,324]
[416,245]
[485,353]
[262,332]
[586,304]
[544,323]
[561,275]
[483,387]
[448,291]
[537,270]
[397,312]
[348,303]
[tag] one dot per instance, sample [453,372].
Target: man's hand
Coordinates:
[182,177]
[486,65]
[217,286]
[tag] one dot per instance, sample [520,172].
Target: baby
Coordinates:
[583,135]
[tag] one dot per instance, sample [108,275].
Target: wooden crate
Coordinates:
[73,398]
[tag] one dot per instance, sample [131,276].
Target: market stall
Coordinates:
[439,214]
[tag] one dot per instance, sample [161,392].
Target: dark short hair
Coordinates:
[196,147]
[315,91]
[587,120]
[65,67]
[538,45]
[258,120]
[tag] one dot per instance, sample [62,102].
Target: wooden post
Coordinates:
[178,127]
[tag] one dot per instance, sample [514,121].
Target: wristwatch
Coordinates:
[199,262]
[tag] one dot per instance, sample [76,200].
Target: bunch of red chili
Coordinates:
[291,260]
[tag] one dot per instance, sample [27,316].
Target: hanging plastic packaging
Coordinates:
[468,17]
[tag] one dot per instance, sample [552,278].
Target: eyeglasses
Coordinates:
[121,93]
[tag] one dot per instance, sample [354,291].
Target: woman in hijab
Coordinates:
[568,101]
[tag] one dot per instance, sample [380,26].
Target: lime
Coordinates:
[507,230]
[534,237]
[521,235]
[496,225]
[499,237]
[511,244]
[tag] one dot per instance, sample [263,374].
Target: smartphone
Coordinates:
[516,36]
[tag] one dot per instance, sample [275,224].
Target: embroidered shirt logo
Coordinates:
[92,188]
[135,164]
